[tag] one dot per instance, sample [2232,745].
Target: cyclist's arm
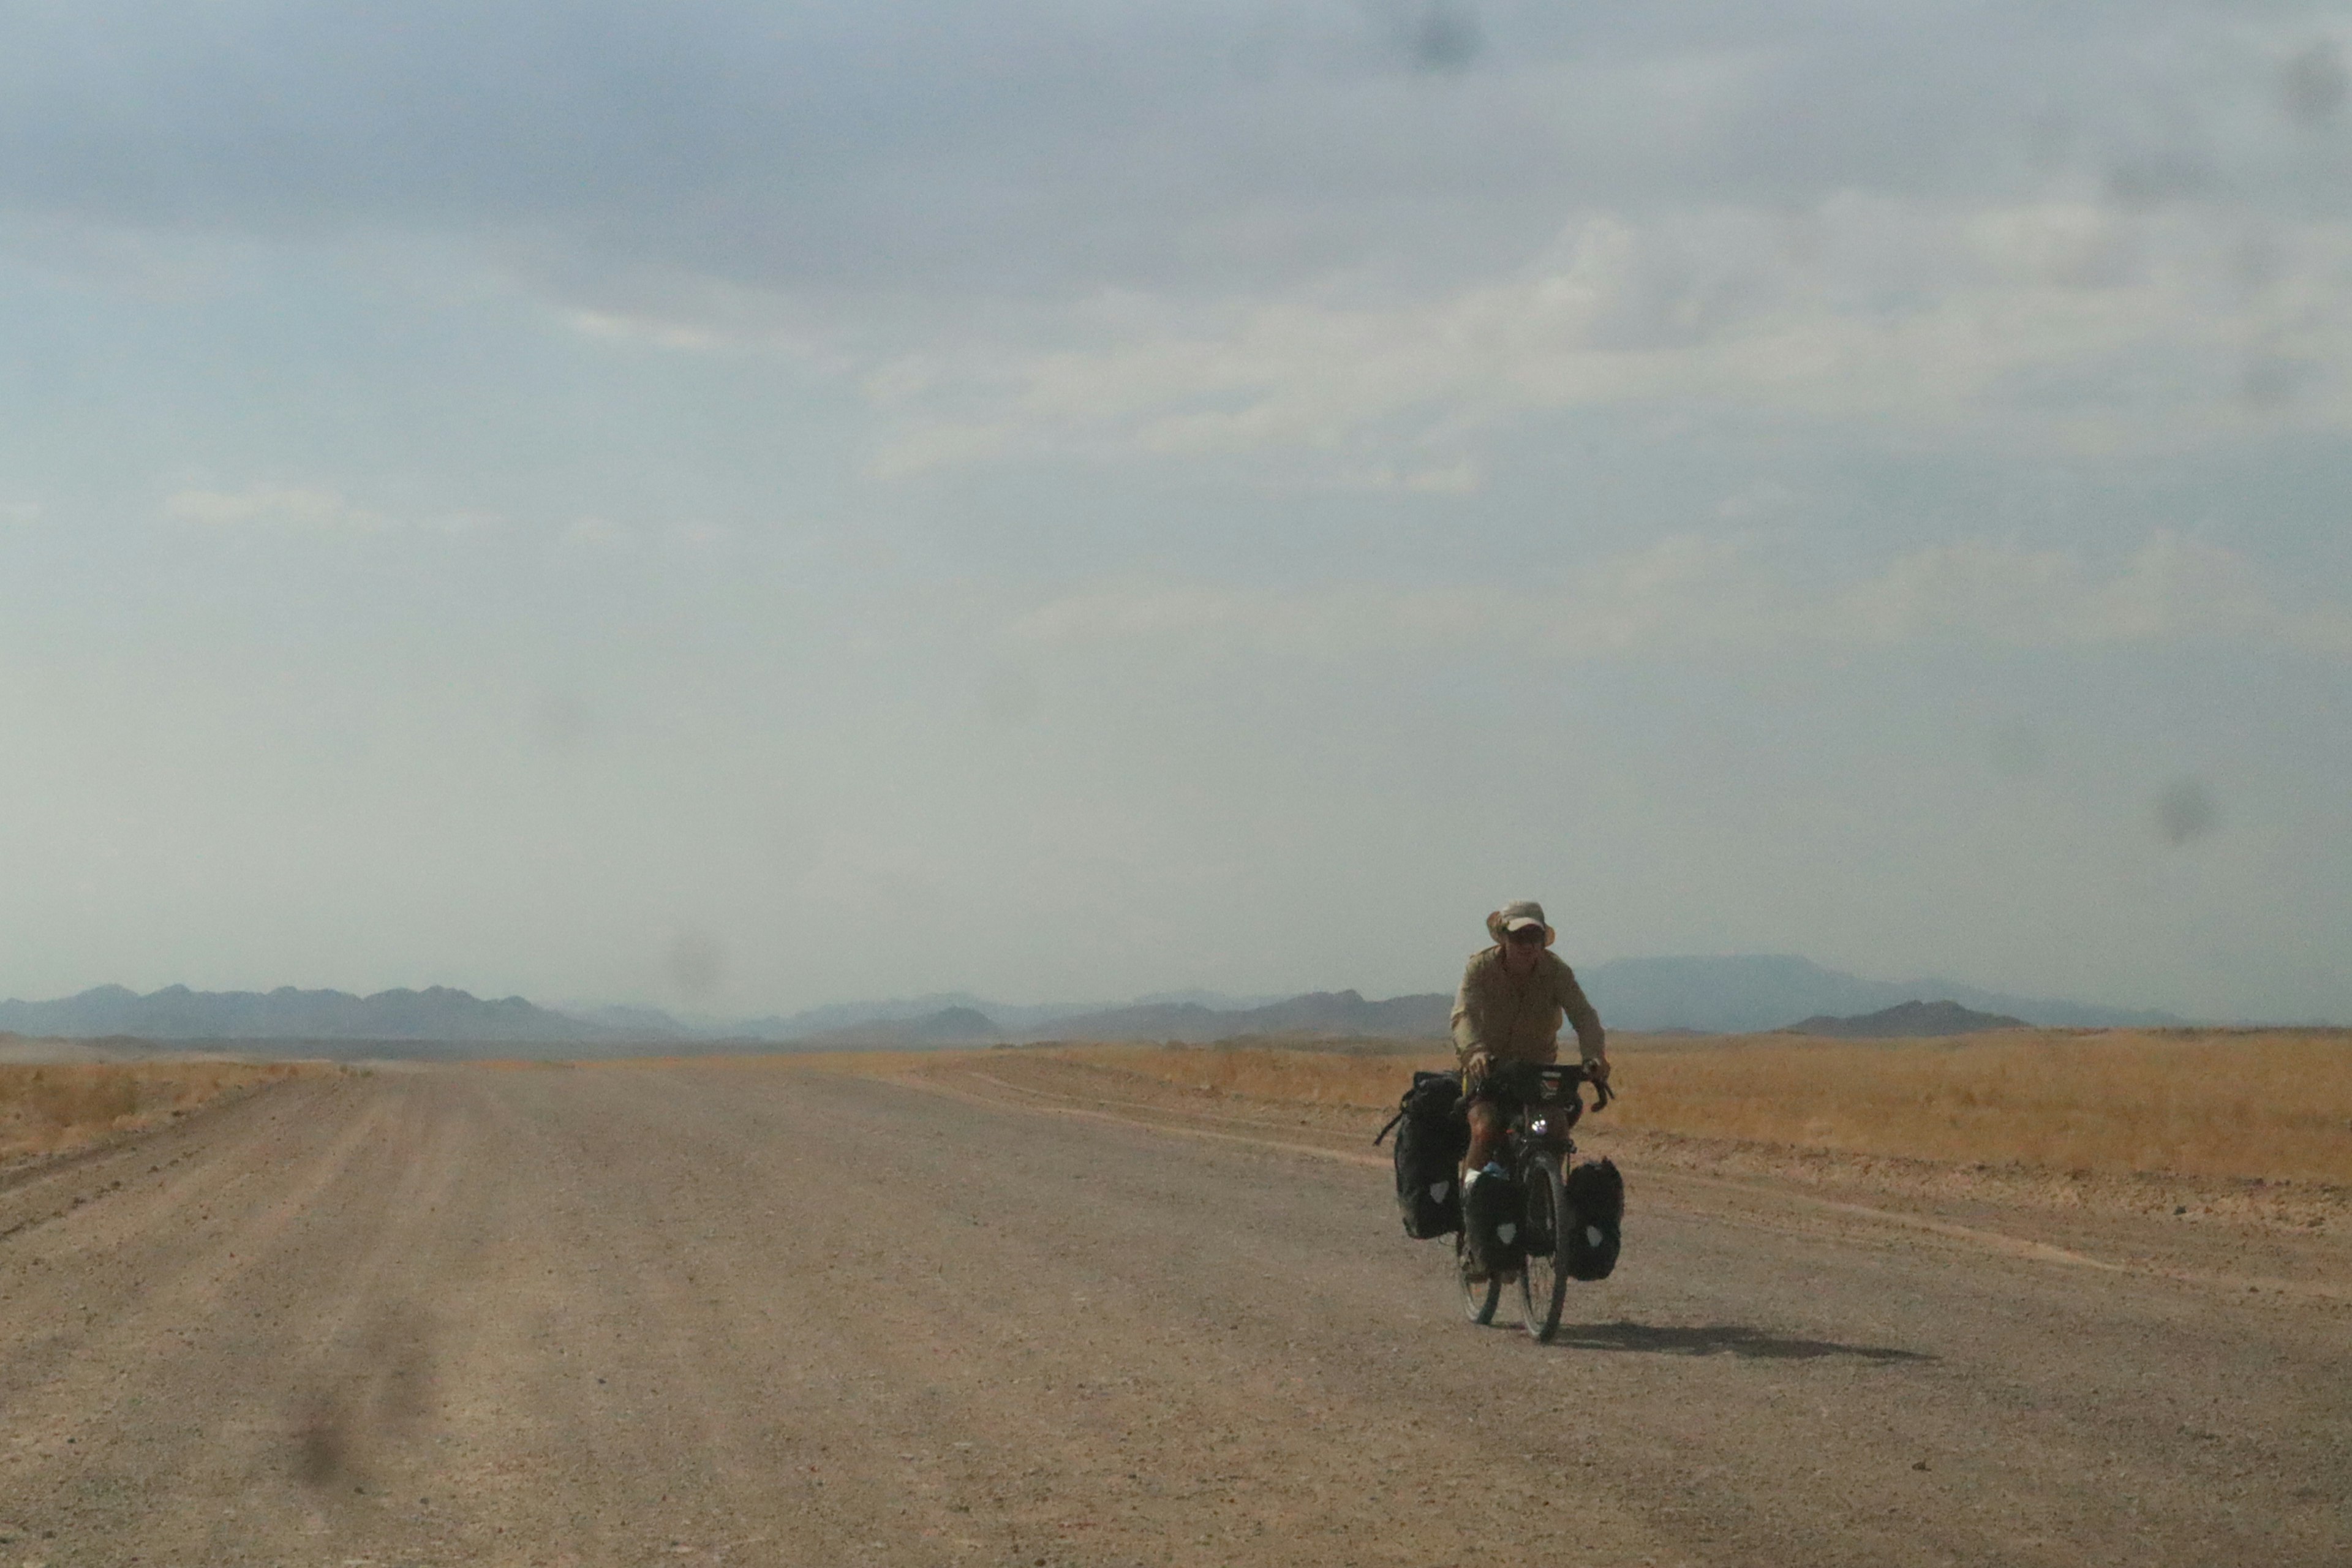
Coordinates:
[1471,1048]
[1591,1040]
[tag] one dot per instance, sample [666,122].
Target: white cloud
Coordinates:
[1690,595]
[1911,216]
[293,509]
[609,535]
[458,524]
[1683,592]
[289,508]
[2174,588]
[2064,325]
[651,331]
[599,534]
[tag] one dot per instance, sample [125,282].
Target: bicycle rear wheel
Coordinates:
[1479,1297]
[1543,1281]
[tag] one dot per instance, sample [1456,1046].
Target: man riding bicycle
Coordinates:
[1507,1015]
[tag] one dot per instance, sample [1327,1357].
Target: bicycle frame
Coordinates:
[1538,1146]
[1543,1123]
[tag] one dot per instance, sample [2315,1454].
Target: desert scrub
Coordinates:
[1302,1075]
[52,1107]
[2275,1104]
[2270,1104]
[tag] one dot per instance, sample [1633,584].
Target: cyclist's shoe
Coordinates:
[1465,1259]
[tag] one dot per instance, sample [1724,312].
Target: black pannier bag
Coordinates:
[1433,1133]
[1596,1203]
[1493,1223]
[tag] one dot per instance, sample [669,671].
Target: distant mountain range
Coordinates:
[1333,1013]
[1704,995]
[948,1026]
[839,1018]
[176,1013]
[1741,995]
[1711,995]
[1908,1021]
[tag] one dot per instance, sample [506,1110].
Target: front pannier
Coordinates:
[1433,1133]
[1596,1204]
[1493,1223]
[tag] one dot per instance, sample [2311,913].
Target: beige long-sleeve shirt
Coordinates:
[1515,1018]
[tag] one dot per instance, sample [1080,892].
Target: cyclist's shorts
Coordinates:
[1509,1085]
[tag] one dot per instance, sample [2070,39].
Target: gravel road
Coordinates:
[715,1313]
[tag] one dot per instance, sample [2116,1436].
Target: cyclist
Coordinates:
[1509,1012]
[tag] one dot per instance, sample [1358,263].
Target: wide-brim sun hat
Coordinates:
[1518,915]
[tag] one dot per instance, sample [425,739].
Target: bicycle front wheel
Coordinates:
[1543,1282]
[1479,1297]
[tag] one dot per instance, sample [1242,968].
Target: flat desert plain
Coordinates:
[1065,1308]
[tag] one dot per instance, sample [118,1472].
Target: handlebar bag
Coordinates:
[1433,1133]
[1596,1202]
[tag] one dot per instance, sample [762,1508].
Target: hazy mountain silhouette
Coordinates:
[1908,1020]
[1017,1017]
[1318,1012]
[948,1026]
[1727,996]
[176,1013]
[630,1020]
[1742,995]
[1746,994]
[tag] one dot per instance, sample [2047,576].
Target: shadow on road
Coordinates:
[375,1388]
[1718,1338]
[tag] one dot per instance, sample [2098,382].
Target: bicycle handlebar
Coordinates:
[1556,1085]
[1559,1084]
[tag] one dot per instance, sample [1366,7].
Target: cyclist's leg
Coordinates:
[1487,1124]
[1490,1122]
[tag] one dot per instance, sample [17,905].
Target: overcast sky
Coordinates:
[740,506]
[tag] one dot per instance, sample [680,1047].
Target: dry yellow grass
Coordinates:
[2273,1104]
[1296,1075]
[52,1107]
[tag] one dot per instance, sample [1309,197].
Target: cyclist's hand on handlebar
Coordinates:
[1475,1071]
[1596,1073]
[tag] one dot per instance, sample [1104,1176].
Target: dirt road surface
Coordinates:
[714,1314]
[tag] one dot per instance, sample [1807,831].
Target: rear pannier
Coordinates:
[1596,1204]
[1433,1133]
